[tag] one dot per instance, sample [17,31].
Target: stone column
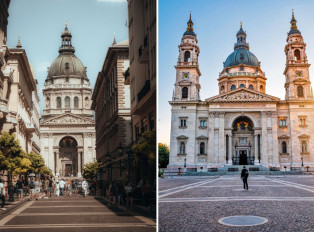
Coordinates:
[275,139]
[255,149]
[264,154]
[79,163]
[230,149]
[57,164]
[211,138]
[222,152]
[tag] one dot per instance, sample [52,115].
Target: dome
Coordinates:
[67,64]
[241,56]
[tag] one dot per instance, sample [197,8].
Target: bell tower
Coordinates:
[298,85]
[187,86]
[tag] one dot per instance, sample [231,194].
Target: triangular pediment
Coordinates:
[303,136]
[283,137]
[202,137]
[182,137]
[67,119]
[243,95]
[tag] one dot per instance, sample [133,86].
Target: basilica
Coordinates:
[67,127]
[242,125]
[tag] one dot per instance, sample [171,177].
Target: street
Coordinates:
[73,214]
[285,203]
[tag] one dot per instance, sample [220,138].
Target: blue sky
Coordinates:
[216,24]
[92,23]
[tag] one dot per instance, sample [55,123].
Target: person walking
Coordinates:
[57,188]
[31,189]
[245,176]
[62,185]
[85,187]
[50,187]
[2,195]
[129,196]
[112,193]
[20,187]
[37,188]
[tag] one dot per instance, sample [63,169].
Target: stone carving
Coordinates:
[67,119]
[243,96]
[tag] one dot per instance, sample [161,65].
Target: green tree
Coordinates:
[24,167]
[45,171]
[90,170]
[145,154]
[37,161]
[11,154]
[163,155]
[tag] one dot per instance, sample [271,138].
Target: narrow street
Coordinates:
[73,214]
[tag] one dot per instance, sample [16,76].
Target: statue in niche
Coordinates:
[47,102]
[304,148]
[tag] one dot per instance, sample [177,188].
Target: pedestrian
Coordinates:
[50,187]
[46,187]
[32,189]
[20,186]
[245,176]
[61,185]
[112,193]
[69,187]
[2,195]
[37,188]
[120,191]
[129,196]
[26,187]
[85,187]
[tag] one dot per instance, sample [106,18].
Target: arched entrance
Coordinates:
[68,156]
[243,141]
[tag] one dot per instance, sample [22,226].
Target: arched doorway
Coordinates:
[243,141]
[68,156]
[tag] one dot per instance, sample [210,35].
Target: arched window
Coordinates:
[222,88]
[185,92]
[300,91]
[202,148]
[284,147]
[297,55]
[59,105]
[187,56]
[261,88]
[182,148]
[76,102]
[251,87]
[242,86]
[67,102]
[233,87]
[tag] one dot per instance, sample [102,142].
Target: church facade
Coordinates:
[67,127]
[242,125]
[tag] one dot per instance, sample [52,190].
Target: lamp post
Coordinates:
[184,162]
[302,165]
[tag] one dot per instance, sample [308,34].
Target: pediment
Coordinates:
[202,137]
[304,136]
[283,137]
[243,95]
[67,119]
[181,137]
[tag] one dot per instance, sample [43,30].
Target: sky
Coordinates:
[93,23]
[216,23]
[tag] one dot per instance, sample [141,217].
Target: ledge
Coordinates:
[307,153]
[202,127]
[183,127]
[181,154]
[284,154]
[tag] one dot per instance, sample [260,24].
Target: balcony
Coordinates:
[143,52]
[4,105]
[142,93]
[30,128]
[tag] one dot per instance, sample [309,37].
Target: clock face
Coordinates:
[299,73]
[185,75]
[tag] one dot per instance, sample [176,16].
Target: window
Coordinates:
[183,123]
[151,121]
[76,102]
[202,148]
[59,103]
[185,92]
[233,87]
[67,102]
[302,121]
[222,88]
[297,55]
[251,87]
[284,147]
[261,88]
[304,147]
[66,79]
[300,91]
[202,123]
[282,122]
[182,148]
[242,86]
[187,56]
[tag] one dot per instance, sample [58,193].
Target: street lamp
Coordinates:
[184,162]
[302,161]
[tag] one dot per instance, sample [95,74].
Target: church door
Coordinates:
[243,158]
[68,169]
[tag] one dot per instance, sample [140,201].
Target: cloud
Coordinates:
[117,1]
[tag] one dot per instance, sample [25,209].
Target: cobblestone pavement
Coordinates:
[196,204]
[75,214]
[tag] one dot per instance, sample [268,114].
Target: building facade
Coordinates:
[242,125]
[67,127]
[19,101]
[112,106]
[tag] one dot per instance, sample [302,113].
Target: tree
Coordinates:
[11,154]
[24,167]
[90,170]
[37,161]
[163,155]
[145,154]
[45,171]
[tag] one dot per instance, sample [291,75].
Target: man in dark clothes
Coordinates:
[244,176]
